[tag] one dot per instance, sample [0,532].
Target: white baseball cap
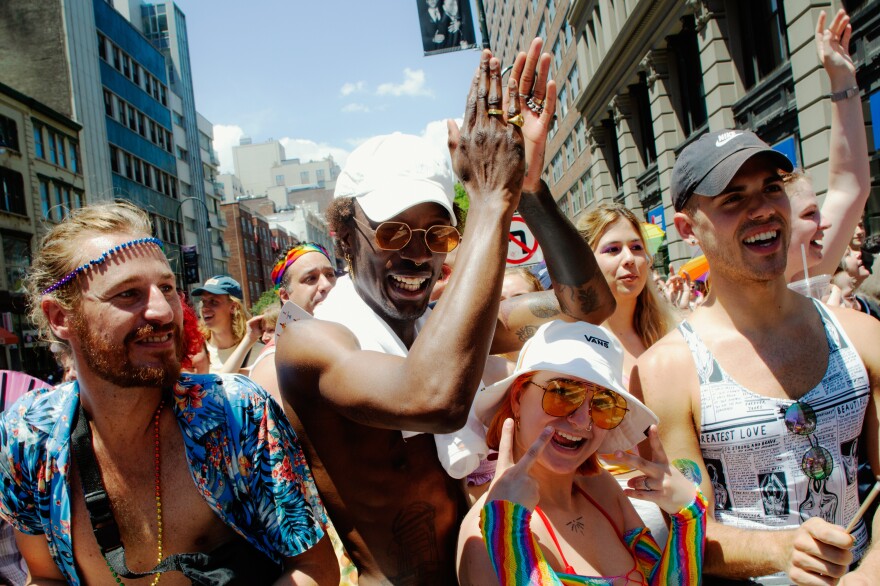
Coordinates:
[584,351]
[392,173]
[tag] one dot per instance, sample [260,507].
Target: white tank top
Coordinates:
[754,461]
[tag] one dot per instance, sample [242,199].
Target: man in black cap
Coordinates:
[771,387]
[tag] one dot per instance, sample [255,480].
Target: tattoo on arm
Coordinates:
[543,307]
[584,300]
[576,525]
[526,332]
[689,469]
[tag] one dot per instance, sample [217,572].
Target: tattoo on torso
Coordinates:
[576,525]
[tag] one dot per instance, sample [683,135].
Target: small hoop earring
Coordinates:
[591,426]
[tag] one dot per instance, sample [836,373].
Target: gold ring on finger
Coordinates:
[538,101]
[496,112]
[516,120]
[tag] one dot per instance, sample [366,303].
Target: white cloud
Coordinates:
[352,87]
[355,107]
[226,137]
[413,85]
[309,150]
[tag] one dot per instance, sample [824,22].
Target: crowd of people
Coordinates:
[432,417]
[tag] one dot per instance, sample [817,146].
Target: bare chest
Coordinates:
[784,366]
[188,523]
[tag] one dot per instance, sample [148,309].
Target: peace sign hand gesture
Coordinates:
[669,486]
[512,481]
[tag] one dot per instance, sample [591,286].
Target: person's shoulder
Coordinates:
[310,338]
[668,351]
[862,329]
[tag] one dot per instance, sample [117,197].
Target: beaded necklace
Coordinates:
[158,499]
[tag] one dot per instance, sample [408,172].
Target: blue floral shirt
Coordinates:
[243,455]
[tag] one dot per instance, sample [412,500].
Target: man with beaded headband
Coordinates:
[380,384]
[143,432]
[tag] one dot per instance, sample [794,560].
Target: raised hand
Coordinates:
[832,46]
[662,483]
[487,153]
[537,117]
[254,328]
[512,480]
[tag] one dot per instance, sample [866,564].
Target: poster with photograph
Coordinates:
[447,25]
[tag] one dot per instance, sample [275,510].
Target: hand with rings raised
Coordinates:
[533,107]
[487,153]
[662,483]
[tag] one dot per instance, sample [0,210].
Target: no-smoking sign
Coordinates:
[522,248]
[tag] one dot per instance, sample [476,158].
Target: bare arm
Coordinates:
[236,360]
[849,176]
[432,388]
[313,567]
[42,569]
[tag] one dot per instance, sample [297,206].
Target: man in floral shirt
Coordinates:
[190,464]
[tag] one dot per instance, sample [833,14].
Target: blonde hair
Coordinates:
[60,252]
[651,320]
[527,275]
[240,317]
[270,315]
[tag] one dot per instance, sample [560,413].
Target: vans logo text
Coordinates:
[595,340]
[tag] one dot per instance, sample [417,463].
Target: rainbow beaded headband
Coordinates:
[98,261]
[294,255]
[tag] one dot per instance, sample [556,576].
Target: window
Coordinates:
[59,144]
[102,47]
[8,133]
[135,73]
[73,148]
[576,198]
[569,151]
[320,174]
[568,34]
[587,188]
[38,140]
[563,102]
[574,82]
[557,55]
[117,58]
[551,8]
[50,139]
[304,177]
[580,136]
[645,132]
[17,253]
[556,164]
[563,204]
[542,30]
[126,66]
[690,87]
[108,103]
[764,42]
[114,159]
[12,192]
[45,198]
[129,168]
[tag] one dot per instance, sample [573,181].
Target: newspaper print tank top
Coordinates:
[754,461]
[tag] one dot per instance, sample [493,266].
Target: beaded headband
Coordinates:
[294,255]
[98,261]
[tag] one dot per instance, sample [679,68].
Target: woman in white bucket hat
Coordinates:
[562,406]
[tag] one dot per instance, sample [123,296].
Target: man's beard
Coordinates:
[112,362]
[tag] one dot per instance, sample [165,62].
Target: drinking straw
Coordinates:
[806,272]
[865,504]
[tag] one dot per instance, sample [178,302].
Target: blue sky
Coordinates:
[320,76]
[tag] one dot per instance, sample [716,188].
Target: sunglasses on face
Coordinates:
[395,235]
[800,419]
[562,397]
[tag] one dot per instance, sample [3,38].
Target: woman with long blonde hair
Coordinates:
[614,233]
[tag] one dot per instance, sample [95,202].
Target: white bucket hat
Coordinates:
[392,173]
[584,351]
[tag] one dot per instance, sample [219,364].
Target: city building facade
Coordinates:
[251,251]
[638,80]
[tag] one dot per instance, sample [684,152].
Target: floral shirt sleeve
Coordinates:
[247,462]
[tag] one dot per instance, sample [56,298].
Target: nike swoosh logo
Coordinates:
[723,141]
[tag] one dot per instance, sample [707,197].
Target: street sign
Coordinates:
[522,249]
